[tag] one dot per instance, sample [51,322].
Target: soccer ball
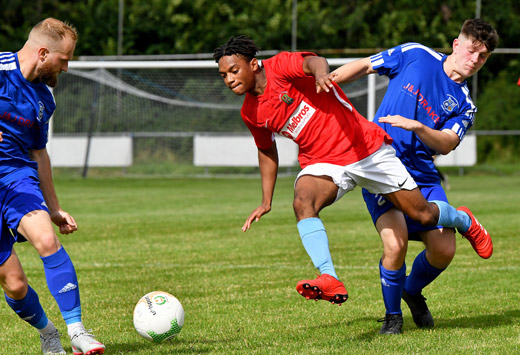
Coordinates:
[158,316]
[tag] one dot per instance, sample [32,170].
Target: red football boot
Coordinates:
[478,236]
[324,287]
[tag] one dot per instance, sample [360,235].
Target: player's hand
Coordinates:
[401,122]
[64,221]
[255,216]
[324,82]
[1,136]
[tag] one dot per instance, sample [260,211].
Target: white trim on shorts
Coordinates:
[380,173]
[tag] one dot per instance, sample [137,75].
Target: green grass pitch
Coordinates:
[184,236]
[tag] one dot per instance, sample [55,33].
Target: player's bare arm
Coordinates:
[62,219]
[319,68]
[268,163]
[443,141]
[354,70]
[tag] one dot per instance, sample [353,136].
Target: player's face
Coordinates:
[56,61]
[470,56]
[238,73]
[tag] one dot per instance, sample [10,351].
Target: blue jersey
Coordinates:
[419,89]
[25,111]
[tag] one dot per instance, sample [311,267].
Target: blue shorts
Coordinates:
[16,200]
[378,205]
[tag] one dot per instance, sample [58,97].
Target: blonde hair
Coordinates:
[52,31]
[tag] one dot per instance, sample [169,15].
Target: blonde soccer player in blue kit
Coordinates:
[28,200]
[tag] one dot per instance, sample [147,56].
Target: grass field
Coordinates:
[183,236]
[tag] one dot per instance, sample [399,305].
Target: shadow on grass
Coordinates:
[175,346]
[485,321]
[480,322]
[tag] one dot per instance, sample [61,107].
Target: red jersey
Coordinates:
[326,127]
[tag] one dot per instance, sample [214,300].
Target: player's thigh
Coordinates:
[440,246]
[26,214]
[37,228]
[312,193]
[415,205]
[12,277]
[391,226]
[392,229]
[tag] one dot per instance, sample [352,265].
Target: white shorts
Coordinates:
[380,173]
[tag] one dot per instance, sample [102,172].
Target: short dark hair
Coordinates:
[481,31]
[239,45]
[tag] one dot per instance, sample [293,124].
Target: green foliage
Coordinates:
[199,26]
[182,26]
[499,109]
[500,101]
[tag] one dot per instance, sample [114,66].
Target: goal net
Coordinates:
[160,107]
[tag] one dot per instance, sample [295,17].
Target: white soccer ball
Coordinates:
[158,316]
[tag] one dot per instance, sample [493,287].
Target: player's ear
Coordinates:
[455,45]
[42,53]
[254,64]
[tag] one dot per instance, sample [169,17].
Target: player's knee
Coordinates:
[430,220]
[46,244]
[16,286]
[426,217]
[393,257]
[303,208]
[298,207]
[444,255]
[395,251]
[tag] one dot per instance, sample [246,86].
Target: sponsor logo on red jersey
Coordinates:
[284,96]
[298,120]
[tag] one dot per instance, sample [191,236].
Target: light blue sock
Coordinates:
[63,284]
[316,243]
[450,217]
[29,309]
[392,284]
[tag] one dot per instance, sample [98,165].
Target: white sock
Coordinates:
[74,328]
[48,329]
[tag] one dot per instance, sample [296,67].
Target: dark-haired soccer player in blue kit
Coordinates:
[28,200]
[427,110]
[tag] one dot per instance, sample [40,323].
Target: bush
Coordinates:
[499,109]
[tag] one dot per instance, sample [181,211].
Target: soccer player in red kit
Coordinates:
[294,95]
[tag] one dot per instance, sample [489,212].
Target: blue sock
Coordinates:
[29,309]
[450,217]
[63,284]
[421,275]
[392,284]
[316,243]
